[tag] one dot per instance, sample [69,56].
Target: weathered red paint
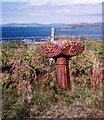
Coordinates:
[62,72]
[61,51]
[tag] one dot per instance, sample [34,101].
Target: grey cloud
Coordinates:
[50,13]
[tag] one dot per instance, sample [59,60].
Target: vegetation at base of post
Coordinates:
[29,86]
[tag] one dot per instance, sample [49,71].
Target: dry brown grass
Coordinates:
[97,74]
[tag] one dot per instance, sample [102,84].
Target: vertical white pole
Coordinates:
[52,34]
[52,40]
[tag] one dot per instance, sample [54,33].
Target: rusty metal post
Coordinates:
[62,72]
[61,51]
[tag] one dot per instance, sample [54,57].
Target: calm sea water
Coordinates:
[40,33]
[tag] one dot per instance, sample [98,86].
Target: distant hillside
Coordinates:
[87,25]
[34,25]
[81,25]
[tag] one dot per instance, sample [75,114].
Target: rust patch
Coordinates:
[61,51]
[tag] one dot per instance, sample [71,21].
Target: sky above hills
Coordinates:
[51,11]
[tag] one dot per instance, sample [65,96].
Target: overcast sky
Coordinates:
[50,11]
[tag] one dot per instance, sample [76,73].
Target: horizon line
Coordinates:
[47,23]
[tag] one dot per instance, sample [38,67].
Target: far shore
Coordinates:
[62,37]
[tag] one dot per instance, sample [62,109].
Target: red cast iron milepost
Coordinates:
[61,52]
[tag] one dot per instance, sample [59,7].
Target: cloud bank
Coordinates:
[46,11]
[42,2]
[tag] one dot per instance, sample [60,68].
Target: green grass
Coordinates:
[46,99]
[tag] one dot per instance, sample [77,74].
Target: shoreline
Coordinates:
[67,38]
[58,36]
